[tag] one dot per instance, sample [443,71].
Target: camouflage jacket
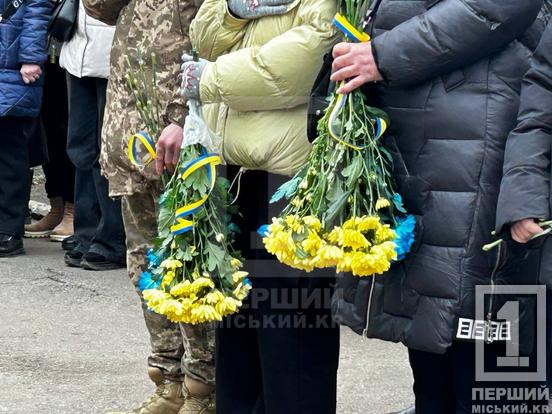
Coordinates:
[143,26]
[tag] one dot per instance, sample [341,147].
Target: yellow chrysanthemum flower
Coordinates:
[344,265]
[280,244]
[362,264]
[241,291]
[336,235]
[168,277]
[384,234]
[181,289]
[201,282]
[301,264]
[236,263]
[205,313]
[354,239]
[228,306]
[382,203]
[171,264]
[313,223]
[367,223]
[239,276]
[171,308]
[328,256]
[312,243]
[386,250]
[294,223]
[154,297]
[214,297]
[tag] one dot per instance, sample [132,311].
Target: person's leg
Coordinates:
[167,350]
[14,178]
[238,372]
[463,356]
[59,171]
[140,218]
[298,346]
[108,240]
[198,366]
[82,150]
[236,337]
[433,382]
[298,343]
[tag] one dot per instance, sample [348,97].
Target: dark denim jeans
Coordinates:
[98,221]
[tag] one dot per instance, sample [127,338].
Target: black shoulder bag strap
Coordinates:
[11,9]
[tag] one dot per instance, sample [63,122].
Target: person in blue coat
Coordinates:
[22,52]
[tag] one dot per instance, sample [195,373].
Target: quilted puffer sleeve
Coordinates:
[525,189]
[214,30]
[32,41]
[106,11]
[279,74]
[450,35]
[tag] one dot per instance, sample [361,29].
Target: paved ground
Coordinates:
[73,342]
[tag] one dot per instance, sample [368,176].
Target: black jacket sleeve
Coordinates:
[450,35]
[525,189]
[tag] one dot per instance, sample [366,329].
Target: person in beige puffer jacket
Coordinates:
[258,62]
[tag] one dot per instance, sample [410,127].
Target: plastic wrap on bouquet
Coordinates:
[196,130]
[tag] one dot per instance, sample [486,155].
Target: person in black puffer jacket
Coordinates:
[525,194]
[449,75]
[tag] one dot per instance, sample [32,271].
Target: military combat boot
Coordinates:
[199,398]
[167,399]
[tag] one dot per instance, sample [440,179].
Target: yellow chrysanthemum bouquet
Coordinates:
[193,274]
[343,211]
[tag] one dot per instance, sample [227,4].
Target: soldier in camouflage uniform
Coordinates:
[182,360]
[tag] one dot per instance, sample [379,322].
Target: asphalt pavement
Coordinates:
[73,341]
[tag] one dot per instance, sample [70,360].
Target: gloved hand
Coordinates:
[255,9]
[191,76]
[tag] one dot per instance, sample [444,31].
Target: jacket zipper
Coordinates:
[489,317]
[368,311]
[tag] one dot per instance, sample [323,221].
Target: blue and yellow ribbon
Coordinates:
[356,36]
[132,149]
[352,33]
[184,224]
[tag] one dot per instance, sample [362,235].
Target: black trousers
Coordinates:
[98,220]
[59,171]
[280,354]
[445,384]
[14,174]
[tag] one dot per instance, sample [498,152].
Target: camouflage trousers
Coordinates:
[176,349]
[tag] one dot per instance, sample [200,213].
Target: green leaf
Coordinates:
[300,253]
[215,256]
[286,190]
[336,207]
[165,220]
